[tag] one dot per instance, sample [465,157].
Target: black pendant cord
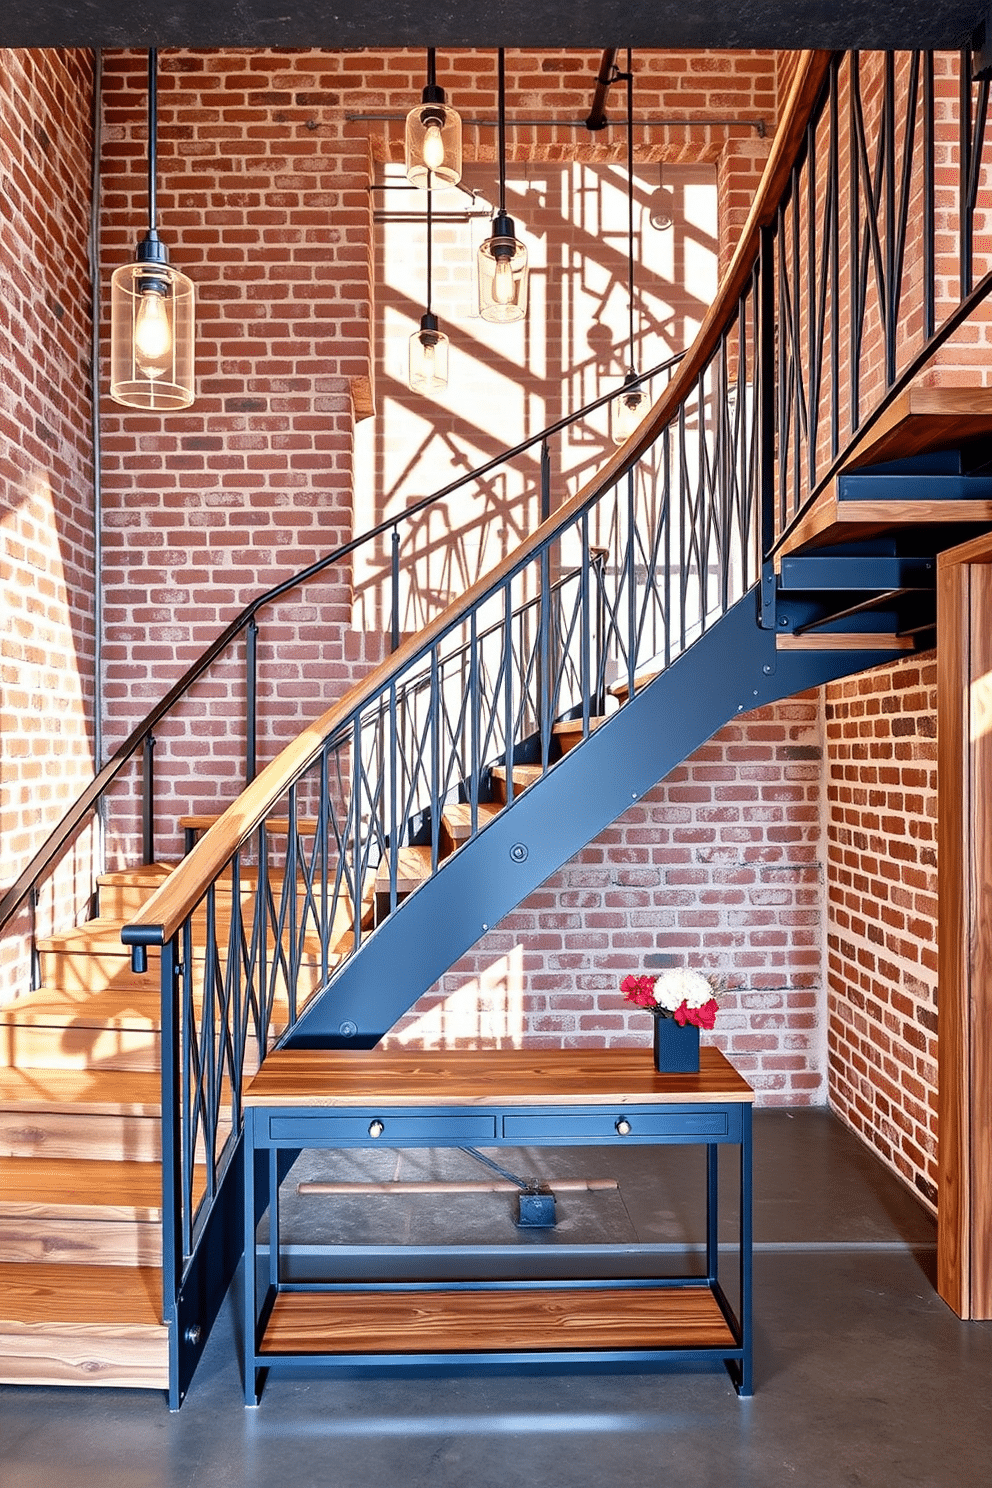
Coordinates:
[431,73]
[630,208]
[501,107]
[430,235]
[152,136]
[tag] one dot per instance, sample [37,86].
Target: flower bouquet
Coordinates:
[682,1002]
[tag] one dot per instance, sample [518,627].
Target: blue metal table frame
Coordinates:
[365,1098]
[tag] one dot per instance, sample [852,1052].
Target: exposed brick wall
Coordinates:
[46,473]
[264,200]
[882,913]
[719,867]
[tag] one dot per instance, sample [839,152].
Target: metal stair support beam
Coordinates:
[732,668]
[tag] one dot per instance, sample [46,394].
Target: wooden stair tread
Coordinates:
[90,1092]
[853,640]
[831,521]
[457,818]
[145,873]
[279,824]
[135,1009]
[569,730]
[103,937]
[923,419]
[523,776]
[413,867]
[489,1320]
[100,1297]
[54,1188]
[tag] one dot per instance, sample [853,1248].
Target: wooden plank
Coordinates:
[831,521]
[488,1321]
[59,1188]
[96,1242]
[115,1358]
[74,1296]
[486,1077]
[86,1092]
[964,713]
[413,866]
[456,820]
[57,1135]
[848,640]
[923,419]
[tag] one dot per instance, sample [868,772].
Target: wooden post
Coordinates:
[964,785]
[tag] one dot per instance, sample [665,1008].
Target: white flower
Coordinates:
[682,984]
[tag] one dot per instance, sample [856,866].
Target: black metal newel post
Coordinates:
[148,800]
[766,417]
[251,703]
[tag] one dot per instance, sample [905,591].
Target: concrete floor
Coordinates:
[862,1375]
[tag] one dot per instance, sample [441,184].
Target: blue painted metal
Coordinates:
[856,572]
[731,668]
[267,1128]
[862,486]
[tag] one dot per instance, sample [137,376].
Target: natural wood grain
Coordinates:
[72,1295]
[117,1358]
[490,1321]
[169,906]
[924,419]
[831,521]
[964,770]
[305,825]
[86,1092]
[486,1077]
[57,1134]
[66,1241]
[413,866]
[835,640]
[58,1188]
[456,821]
[523,776]
[569,731]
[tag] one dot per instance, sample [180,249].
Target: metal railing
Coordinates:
[140,745]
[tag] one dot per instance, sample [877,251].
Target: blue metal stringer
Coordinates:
[729,670]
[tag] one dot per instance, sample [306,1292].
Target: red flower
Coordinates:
[702,1017]
[639,990]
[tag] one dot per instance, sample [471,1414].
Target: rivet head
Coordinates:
[348,1029]
[518,852]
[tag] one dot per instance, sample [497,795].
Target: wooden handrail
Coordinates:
[163,914]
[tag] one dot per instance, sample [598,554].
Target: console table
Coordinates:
[359,1098]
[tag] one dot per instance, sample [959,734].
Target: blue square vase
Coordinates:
[676,1049]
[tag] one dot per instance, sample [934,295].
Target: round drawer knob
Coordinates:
[376,1128]
[623,1127]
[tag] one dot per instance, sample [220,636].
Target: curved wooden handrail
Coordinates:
[160,918]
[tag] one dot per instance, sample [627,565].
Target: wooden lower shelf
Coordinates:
[496,1321]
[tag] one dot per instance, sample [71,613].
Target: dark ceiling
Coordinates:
[340,24]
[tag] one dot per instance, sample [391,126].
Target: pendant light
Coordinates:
[631,403]
[433,138]
[428,346]
[151,309]
[502,257]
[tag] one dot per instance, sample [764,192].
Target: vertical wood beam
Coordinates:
[964,764]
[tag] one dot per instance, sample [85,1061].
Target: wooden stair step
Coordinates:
[456,821]
[921,421]
[82,1325]
[569,731]
[123,892]
[413,867]
[523,776]
[67,1211]
[854,640]
[88,1092]
[53,1188]
[82,1114]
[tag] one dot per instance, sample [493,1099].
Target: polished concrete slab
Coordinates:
[864,1379]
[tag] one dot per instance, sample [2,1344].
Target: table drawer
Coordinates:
[396,1131]
[617,1125]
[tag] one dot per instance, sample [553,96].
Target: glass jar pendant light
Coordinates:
[433,138]
[631,403]
[428,346]
[151,309]
[502,257]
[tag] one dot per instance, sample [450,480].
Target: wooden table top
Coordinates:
[487,1077]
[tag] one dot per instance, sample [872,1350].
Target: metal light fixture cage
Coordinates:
[152,310]
[502,261]
[433,147]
